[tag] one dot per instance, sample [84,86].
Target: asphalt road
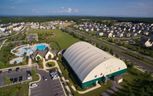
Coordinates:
[47,87]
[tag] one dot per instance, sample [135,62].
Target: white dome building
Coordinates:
[91,64]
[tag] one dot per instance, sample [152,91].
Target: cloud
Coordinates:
[61,10]
[67,10]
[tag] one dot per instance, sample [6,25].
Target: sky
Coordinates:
[121,8]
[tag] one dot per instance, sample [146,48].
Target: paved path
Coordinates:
[29,61]
[87,90]
[3,43]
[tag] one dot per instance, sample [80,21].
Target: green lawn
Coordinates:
[15,90]
[50,64]
[56,38]
[5,55]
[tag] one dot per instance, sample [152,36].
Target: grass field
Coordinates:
[15,90]
[56,38]
[5,56]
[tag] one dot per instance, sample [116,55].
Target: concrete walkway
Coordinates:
[29,94]
[29,61]
[3,43]
[87,90]
[20,66]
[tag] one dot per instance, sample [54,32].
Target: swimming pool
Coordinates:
[40,47]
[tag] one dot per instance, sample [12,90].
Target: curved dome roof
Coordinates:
[87,61]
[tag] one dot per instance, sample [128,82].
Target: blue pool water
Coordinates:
[41,47]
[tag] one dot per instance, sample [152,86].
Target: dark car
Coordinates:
[11,79]
[0,72]
[44,78]
[17,69]
[15,80]
[29,72]
[20,78]
[29,77]
[9,70]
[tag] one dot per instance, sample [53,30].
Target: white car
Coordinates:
[33,85]
[29,78]
[55,77]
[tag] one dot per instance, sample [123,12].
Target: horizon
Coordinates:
[97,8]
[73,16]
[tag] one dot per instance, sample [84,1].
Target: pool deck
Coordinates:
[20,51]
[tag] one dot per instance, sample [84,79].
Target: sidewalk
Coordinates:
[3,43]
[21,66]
[29,94]
[86,91]
[29,61]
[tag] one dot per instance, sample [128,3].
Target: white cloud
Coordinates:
[61,10]
[67,10]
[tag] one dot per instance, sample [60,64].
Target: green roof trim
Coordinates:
[102,79]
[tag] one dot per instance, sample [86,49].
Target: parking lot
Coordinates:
[15,75]
[47,86]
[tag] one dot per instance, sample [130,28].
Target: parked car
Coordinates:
[0,72]
[29,77]
[44,78]
[33,85]
[28,72]
[54,75]
[20,78]
[15,80]
[9,70]
[17,69]
[11,79]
